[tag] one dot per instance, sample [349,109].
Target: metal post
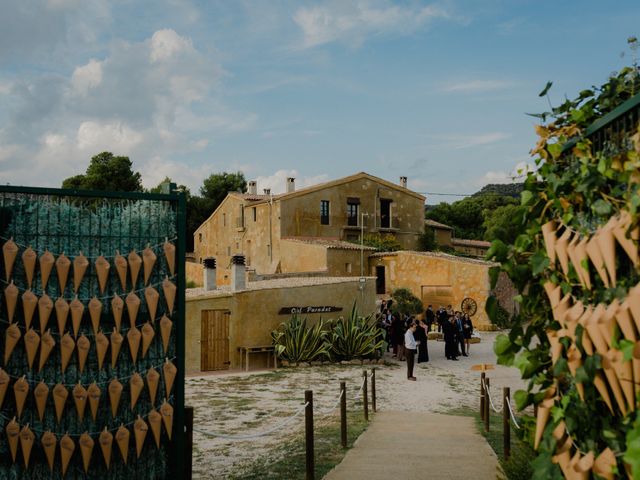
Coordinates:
[308,430]
[365,396]
[482,377]
[343,414]
[505,422]
[373,389]
[487,413]
[188,426]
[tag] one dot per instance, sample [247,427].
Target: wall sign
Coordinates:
[308,309]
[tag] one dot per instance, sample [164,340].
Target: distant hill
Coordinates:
[507,189]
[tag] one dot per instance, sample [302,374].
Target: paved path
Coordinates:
[420,446]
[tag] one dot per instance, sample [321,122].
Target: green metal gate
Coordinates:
[76,224]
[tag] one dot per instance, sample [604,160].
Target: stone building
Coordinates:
[444,236]
[309,229]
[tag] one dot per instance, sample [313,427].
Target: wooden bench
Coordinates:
[245,351]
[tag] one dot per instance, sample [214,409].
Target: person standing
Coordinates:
[410,350]
[421,340]
[468,330]
[429,317]
[460,334]
[443,318]
[450,348]
[397,333]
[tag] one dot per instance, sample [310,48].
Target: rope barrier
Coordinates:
[255,435]
[511,414]
[333,407]
[488,390]
[359,394]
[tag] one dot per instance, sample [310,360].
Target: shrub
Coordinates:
[405,302]
[355,337]
[295,342]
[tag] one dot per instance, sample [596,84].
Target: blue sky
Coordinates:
[435,91]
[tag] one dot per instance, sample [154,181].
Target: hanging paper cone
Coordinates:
[624,373]
[548,233]
[607,245]
[166,410]
[635,363]
[80,264]
[556,346]
[9,253]
[133,305]
[20,390]
[29,304]
[135,262]
[153,380]
[561,250]
[26,444]
[594,331]
[607,322]
[102,272]
[77,311]
[561,309]
[574,358]
[13,434]
[115,391]
[136,385]
[46,347]
[593,251]
[60,394]
[614,384]
[147,337]
[31,344]
[29,258]
[66,452]
[583,261]
[45,307]
[140,429]
[83,346]
[80,397]
[148,260]
[573,257]
[122,439]
[169,370]
[49,443]
[11,340]
[627,240]
[117,306]
[633,301]
[62,313]
[604,464]
[560,431]
[11,299]
[151,296]
[601,386]
[67,345]
[4,385]
[121,268]
[585,340]
[95,311]
[581,465]
[169,290]
[572,317]
[541,420]
[106,444]
[625,322]
[46,265]
[165,332]
[116,344]
[93,394]
[155,422]
[563,458]
[170,255]
[41,393]
[63,264]
[133,338]
[86,449]
[554,293]
[102,344]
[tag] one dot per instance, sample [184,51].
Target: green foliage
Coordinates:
[355,337]
[216,186]
[505,189]
[497,314]
[405,302]
[108,173]
[505,223]
[385,243]
[427,241]
[581,187]
[295,342]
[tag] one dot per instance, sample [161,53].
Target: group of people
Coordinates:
[407,336]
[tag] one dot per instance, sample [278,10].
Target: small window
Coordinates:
[228,251]
[237,246]
[269,250]
[200,237]
[352,212]
[347,267]
[224,219]
[255,213]
[324,212]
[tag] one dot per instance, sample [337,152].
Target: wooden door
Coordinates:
[214,346]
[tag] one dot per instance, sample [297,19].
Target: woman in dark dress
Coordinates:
[467,328]
[421,339]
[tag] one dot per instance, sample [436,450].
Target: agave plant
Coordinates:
[355,337]
[295,342]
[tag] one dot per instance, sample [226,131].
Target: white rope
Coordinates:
[511,414]
[359,394]
[255,435]
[488,390]
[333,407]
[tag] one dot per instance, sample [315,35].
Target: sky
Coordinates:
[434,91]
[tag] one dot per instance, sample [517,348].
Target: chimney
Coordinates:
[209,265]
[291,184]
[267,191]
[252,189]
[238,270]
[403,182]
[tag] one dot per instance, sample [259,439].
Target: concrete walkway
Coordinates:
[407,445]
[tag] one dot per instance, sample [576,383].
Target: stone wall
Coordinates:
[193,272]
[505,291]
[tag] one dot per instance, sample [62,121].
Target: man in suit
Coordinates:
[460,334]
[450,346]
[429,318]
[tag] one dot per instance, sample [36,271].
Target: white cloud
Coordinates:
[517,174]
[87,77]
[352,22]
[458,141]
[97,137]
[166,44]
[475,86]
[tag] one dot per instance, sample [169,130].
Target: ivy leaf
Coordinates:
[539,261]
[632,455]
[494,273]
[525,197]
[522,399]
[627,346]
[546,89]
[601,208]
